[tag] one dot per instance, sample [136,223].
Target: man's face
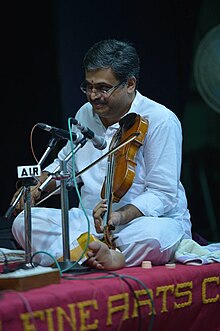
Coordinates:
[109,97]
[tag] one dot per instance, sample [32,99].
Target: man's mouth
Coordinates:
[97,105]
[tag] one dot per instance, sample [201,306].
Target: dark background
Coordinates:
[42,46]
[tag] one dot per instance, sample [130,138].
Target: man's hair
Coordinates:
[120,56]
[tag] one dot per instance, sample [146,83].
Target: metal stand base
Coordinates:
[71,266]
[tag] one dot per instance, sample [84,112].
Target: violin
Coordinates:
[121,166]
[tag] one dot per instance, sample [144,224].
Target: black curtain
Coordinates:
[43,44]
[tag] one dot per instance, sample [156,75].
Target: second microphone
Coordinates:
[98,142]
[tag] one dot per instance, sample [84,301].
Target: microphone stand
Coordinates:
[27,223]
[66,265]
[25,190]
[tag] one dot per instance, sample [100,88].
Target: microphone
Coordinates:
[64,134]
[98,142]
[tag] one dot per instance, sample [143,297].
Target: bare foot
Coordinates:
[101,257]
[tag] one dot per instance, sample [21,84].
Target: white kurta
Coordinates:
[156,191]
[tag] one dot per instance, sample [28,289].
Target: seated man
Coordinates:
[151,218]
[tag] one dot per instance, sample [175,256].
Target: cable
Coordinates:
[53,258]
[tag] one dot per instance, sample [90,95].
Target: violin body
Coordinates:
[124,158]
[121,168]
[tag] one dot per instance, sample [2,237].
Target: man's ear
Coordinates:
[131,84]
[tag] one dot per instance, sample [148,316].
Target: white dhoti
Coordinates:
[144,238]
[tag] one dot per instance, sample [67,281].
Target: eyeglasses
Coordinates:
[101,89]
